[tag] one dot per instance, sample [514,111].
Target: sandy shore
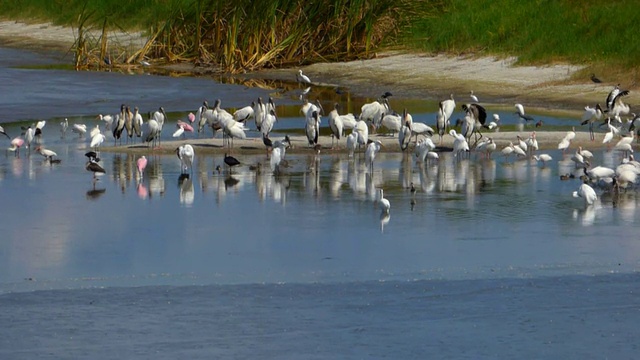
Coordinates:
[495,81]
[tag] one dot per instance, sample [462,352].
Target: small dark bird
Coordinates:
[231,161]
[413,189]
[539,123]
[386,95]
[595,79]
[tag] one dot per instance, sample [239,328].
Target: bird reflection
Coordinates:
[187,193]
[230,181]
[384,220]
[94,193]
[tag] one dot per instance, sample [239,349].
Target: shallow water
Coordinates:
[489,258]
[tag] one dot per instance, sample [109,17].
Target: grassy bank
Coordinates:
[603,35]
[244,35]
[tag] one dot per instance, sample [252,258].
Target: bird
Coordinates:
[385,205]
[230,161]
[352,142]
[591,114]
[595,79]
[493,124]
[16,144]
[79,129]
[545,158]
[245,113]
[521,113]
[97,140]
[93,166]
[375,111]
[335,124]
[370,154]
[185,154]
[587,193]
[63,128]
[277,155]
[141,164]
[473,97]
[302,78]
[445,110]
[48,154]
[312,128]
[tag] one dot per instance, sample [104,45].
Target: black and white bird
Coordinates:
[93,166]
[614,97]
[521,113]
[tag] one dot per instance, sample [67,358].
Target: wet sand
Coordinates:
[547,140]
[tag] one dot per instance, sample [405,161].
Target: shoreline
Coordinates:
[496,81]
[407,75]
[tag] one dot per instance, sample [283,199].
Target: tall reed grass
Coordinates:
[239,35]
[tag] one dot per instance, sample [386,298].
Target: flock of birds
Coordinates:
[373,116]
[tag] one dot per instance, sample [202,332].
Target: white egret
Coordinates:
[385,205]
[473,97]
[302,78]
[352,142]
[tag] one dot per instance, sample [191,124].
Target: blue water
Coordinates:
[488,259]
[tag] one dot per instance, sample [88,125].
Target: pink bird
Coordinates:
[185,126]
[143,193]
[192,118]
[141,164]
[16,143]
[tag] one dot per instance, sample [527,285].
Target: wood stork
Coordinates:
[185,154]
[370,154]
[335,124]
[591,115]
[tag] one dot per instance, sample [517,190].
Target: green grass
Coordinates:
[537,32]
[246,34]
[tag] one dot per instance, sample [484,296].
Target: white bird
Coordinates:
[352,142]
[445,110]
[545,158]
[404,136]
[63,127]
[579,160]
[245,113]
[179,131]
[460,143]
[152,132]
[418,128]
[302,78]
[493,124]
[385,205]
[277,155]
[591,114]
[28,137]
[94,131]
[312,128]
[185,154]
[473,97]
[587,193]
[375,111]
[335,124]
[363,132]
[79,129]
[370,154]
[137,122]
[108,120]
[521,113]
[96,141]
[48,154]
[392,122]
[269,121]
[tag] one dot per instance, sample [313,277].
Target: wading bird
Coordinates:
[185,154]
[302,78]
